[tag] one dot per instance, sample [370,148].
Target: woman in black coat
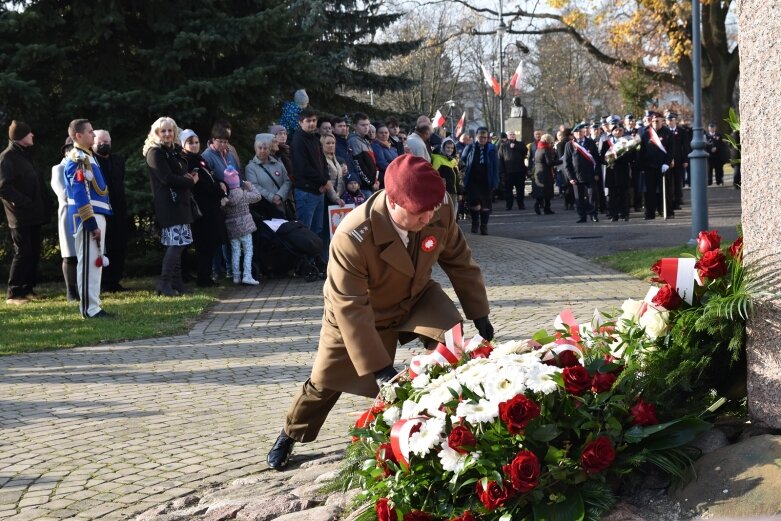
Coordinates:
[172,187]
[545,160]
[208,229]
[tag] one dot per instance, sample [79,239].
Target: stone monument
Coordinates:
[519,121]
[759,23]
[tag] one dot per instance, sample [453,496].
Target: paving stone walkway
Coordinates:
[108,431]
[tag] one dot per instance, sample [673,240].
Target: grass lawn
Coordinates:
[53,323]
[637,263]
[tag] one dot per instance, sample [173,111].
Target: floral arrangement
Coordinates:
[545,428]
[621,147]
[522,430]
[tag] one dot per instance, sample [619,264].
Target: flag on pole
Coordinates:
[460,125]
[515,80]
[438,120]
[490,80]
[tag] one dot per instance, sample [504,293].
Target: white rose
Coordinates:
[630,309]
[656,323]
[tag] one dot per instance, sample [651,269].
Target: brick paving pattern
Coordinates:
[105,432]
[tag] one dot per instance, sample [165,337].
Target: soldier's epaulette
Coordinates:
[359,233]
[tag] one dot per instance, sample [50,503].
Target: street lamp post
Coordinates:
[698,156]
[450,104]
[500,31]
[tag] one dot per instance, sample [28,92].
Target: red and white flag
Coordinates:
[438,120]
[658,142]
[490,80]
[515,80]
[680,274]
[460,125]
[583,152]
[444,354]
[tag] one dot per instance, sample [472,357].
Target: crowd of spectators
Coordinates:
[204,195]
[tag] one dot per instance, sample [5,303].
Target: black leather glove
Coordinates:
[485,328]
[384,375]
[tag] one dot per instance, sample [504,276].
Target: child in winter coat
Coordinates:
[353,194]
[240,225]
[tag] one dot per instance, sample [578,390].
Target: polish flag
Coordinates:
[438,120]
[490,80]
[658,142]
[515,81]
[460,125]
[680,274]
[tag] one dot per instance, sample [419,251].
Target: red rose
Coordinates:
[657,268]
[712,264]
[517,412]
[643,413]
[384,510]
[383,455]
[736,250]
[598,455]
[493,495]
[602,382]
[481,352]
[576,379]
[667,298]
[707,241]
[568,359]
[466,516]
[417,515]
[461,440]
[523,471]
[368,417]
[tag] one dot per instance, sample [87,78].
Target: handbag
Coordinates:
[288,204]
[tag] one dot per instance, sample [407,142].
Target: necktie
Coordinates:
[482,155]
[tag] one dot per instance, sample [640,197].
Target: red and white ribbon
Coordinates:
[566,320]
[448,353]
[585,153]
[656,141]
[400,435]
[680,274]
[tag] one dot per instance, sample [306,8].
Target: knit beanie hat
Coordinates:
[18,130]
[412,183]
[185,135]
[232,178]
[273,129]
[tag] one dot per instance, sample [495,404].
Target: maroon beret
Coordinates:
[412,183]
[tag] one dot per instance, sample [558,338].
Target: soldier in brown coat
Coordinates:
[379,293]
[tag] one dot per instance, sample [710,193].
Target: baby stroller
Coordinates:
[287,252]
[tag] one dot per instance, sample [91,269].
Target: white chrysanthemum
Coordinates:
[429,435]
[511,347]
[481,412]
[391,415]
[451,460]
[409,409]
[540,379]
[507,383]
[421,381]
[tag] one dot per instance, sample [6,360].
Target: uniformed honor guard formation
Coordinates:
[379,294]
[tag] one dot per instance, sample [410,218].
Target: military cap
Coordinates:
[412,183]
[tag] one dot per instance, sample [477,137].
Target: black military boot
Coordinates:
[475,214]
[279,455]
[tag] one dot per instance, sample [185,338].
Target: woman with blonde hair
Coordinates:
[172,192]
[545,161]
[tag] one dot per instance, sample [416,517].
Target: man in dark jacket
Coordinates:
[581,160]
[618,178]
[363,155]
[113,168]
[653,159]
[312,179]
[512,167]
[681,151]
[26,209]
[717,154]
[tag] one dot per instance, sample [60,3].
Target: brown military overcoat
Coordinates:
[378,290]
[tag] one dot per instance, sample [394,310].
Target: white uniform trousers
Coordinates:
[88,275]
